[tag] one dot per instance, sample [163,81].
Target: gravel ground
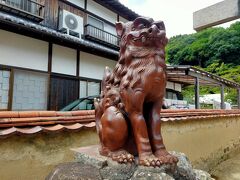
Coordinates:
[228,170]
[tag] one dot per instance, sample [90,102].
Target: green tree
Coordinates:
[216,50]
[205,47]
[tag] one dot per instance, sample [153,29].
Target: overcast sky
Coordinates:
[176,14]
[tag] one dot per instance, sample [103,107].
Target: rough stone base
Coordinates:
[91,165]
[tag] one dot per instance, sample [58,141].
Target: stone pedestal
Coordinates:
[90,165]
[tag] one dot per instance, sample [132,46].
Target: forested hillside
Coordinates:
[216,50]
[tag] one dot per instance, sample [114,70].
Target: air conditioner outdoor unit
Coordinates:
[70,23]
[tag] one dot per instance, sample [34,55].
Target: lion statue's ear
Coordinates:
[120,28]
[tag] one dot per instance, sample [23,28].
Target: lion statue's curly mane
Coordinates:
[128,111]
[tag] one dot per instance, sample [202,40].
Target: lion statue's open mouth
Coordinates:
[128,112]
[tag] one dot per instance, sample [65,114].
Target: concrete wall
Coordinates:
[4,89]
[206,142]
[22,51]
[216,14]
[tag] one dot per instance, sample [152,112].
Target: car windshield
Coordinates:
[84,103]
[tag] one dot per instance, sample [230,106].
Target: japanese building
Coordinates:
[55,51]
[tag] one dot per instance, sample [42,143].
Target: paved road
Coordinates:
[228,170]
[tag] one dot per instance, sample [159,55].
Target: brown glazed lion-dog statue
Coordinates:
[128,111]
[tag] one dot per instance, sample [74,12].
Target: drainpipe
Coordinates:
[238,97]
[197,105]
[222,97]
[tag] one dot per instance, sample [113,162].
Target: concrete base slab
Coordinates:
[216,14]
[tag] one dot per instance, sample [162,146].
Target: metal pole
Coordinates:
[197,105]
[222,97]
[238,97]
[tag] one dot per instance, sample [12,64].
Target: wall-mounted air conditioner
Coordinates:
[70,23]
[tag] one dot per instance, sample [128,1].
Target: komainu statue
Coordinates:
[128,111]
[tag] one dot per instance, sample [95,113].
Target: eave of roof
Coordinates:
[32,122]
[186,74]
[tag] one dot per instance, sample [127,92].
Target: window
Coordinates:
[29,90]
[95,22]
[171,95]
[101,32]
[95,28]
[26,5]
[4,89]
[32,8]
[89,88]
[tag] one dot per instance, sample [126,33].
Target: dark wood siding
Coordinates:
[63,91]
[51,12]
[71,9]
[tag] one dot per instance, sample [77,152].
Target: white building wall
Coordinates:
[21,51]
[174,86]
[170,85]
[123,19]
[4,88]
[178,87]
[64,60]
[79,3]
[101,11]
[29,91]
[92,66]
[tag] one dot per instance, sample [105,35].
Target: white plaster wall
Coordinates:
[92,66]
[123,19]
[178,87]
[79,3]
[4,88]
[101,11]
[174,86]
[64,60]
[29,90]
[170,85]
[22,51]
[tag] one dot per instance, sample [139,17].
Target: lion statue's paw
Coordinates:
[122,156]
